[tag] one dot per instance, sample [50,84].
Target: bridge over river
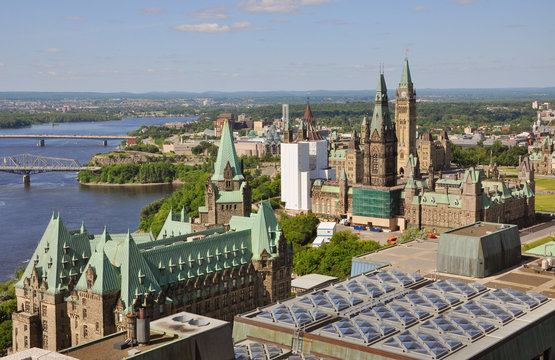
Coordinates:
[41,138]
[27,164]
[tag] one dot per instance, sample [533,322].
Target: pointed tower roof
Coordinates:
[265,223]
[406,80]
[354,142]
[380,117]
[131,263]
[227,154]
[343,176]
[364,120]
[308,113]
[411,184]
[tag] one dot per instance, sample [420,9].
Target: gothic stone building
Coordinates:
[543,158]
[79,287]
[227,193]
[405,118]
[449,203]
[434,153]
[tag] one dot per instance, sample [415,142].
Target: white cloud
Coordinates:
[153,11]
[150,71]
[75,18]
[2,64]
[420,8]
[270,6]
[216,28]
[210,13]
[235,75]
[278,6]
[203,28]
[52,50]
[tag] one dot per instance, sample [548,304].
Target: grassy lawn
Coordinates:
[545,202]
[536,243]
[508,169]
[545,184]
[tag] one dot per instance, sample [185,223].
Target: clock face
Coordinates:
[404,93]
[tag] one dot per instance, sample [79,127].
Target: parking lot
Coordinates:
[380,237]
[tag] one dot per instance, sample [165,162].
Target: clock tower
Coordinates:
[405,118]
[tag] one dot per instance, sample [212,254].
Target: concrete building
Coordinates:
[221,121]
[310,281]
[478,250]
[304,158]
[390,314]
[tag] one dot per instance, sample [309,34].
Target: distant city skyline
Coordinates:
[269,45]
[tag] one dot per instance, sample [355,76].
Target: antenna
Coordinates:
[406,52]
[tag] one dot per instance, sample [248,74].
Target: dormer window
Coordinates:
[46,248]
[235,252]
[172,269]
[192,263]
[50,263]
[200,261]
[181,266]
[162,271]
[66,248]
[89,284]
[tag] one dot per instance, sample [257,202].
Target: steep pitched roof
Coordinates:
[58,257]
[133,267]
[308,113]
[176,224]
[381,116]
[343,176]
[406,80]
[227,154]
[106,279]
[473,174]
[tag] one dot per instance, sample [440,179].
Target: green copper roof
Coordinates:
[406,80]
[175,224]
[343,176]
[364,120]
[471,174]
[548,140]
[381,116]
[412,161]
[265,230]
[106,277]
[227,154]
[234,196]
[287,126]
[59,256]
[133,268]
[337,154]
[411,184]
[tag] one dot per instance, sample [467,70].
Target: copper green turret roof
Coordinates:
[343,176]
[227,154]
[380,117]
[406,80]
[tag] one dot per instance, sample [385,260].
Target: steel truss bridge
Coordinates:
[27,164]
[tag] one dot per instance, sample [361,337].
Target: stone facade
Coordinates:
[405,119]
[80,287]
[450,203]
[543,158]
[226,193]
[434,153]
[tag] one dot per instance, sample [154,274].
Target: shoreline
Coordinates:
[174,182]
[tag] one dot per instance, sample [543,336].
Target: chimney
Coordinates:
[143,328]
[132,328]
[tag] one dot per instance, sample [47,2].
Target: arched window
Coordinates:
[374,162]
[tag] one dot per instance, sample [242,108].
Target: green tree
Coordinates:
[334,258]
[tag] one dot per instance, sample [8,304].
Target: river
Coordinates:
[25,211]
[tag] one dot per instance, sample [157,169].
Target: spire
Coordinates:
[308,112]
[380,116]
[227,154]
[83,229]
[406,80]
[364,120]
[343,176]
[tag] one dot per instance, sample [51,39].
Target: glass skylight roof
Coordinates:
[456,288]
[414,341]
[257,351]
[358,328]
[292,314]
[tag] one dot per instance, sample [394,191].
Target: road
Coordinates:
[537,232]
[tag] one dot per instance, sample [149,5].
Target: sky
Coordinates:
[265,45]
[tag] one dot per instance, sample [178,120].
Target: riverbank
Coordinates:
[176,182]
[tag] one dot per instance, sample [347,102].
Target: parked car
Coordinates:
[375,229]
[392,240]
[431,235]
[359,227]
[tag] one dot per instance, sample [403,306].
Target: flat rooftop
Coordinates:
[396,315]
[411,256]
[479,229]
[311,281]
[104,348]
[172,328]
